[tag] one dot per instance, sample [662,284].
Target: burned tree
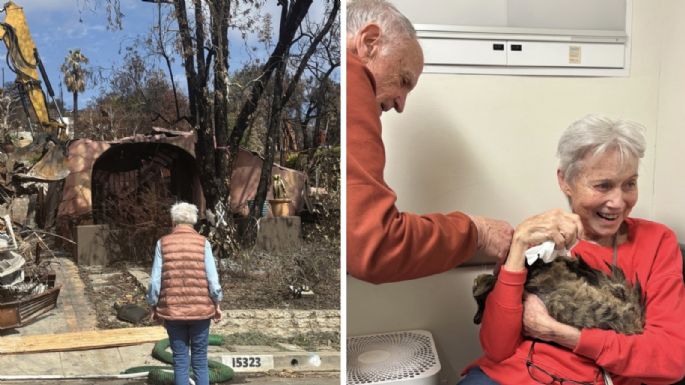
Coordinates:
[283,92]
[205,57]
[203,33]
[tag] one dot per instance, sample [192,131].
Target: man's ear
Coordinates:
[367,41]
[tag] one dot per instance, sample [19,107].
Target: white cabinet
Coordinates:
[524,51]
[560,54]
[464,52]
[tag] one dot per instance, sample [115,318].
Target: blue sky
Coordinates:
[60,25]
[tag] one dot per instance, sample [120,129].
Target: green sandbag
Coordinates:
[145,368]
[164,375]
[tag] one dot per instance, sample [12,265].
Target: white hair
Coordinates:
[393,23]
[595,135]
[184,213]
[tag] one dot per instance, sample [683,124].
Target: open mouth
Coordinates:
[608,217]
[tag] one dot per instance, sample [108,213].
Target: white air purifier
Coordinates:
[396,358]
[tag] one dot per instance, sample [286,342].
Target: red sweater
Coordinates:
[655,357]
[383,244]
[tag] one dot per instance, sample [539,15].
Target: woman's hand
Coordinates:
[153,315]
[536,320]
[561,227]
[537,323]
[217,313]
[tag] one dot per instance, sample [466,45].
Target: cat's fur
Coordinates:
[578,295]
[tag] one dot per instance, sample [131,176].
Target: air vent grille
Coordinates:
[391,358]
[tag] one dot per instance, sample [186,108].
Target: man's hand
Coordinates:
[537,323]
[494,236]
[217,313]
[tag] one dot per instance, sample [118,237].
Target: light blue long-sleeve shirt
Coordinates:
[153,290]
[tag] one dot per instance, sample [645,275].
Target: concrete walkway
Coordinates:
[74,313]
[328,379]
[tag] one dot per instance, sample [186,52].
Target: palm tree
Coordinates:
[75,76]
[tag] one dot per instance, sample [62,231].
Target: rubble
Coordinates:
[10,265]
[26,284]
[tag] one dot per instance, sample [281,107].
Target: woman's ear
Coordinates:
[563,184]
[367,41]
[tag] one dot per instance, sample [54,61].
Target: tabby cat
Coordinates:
[578,295]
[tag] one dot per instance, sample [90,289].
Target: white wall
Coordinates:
[462,12]
[568,14]
[486,145]
[555,14]
[441,304]
[669,177]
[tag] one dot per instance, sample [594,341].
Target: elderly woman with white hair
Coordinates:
[523,344]
[185,293]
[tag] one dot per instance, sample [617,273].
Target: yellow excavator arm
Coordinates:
[23,59]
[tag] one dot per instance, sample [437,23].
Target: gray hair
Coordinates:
[392,22]
[184,213]
[597,134]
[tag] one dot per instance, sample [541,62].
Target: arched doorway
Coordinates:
[134,183]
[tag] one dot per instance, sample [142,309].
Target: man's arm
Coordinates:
[384,244]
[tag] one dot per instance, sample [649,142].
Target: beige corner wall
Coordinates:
[669,175]
[486,145]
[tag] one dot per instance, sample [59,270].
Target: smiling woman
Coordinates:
[598,174]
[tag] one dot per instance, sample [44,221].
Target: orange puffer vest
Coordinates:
[184,291]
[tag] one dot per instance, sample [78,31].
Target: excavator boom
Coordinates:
[43,159]
[14,32]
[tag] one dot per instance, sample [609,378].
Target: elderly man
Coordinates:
[384,61]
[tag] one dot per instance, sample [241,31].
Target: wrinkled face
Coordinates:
[396,70]
[603,194]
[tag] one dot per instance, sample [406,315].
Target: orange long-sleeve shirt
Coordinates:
[383,244]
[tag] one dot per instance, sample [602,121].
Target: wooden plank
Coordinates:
[93,339]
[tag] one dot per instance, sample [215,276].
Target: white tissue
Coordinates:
[545,251]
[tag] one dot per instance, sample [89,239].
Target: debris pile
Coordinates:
[32,170]
[27,283]
[11,262]
[22,277]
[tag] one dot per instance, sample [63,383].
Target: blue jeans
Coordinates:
[475,376]
[196,335]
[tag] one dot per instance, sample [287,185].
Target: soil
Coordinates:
[116,286]
[251,293]
[275,280]
[260,281]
